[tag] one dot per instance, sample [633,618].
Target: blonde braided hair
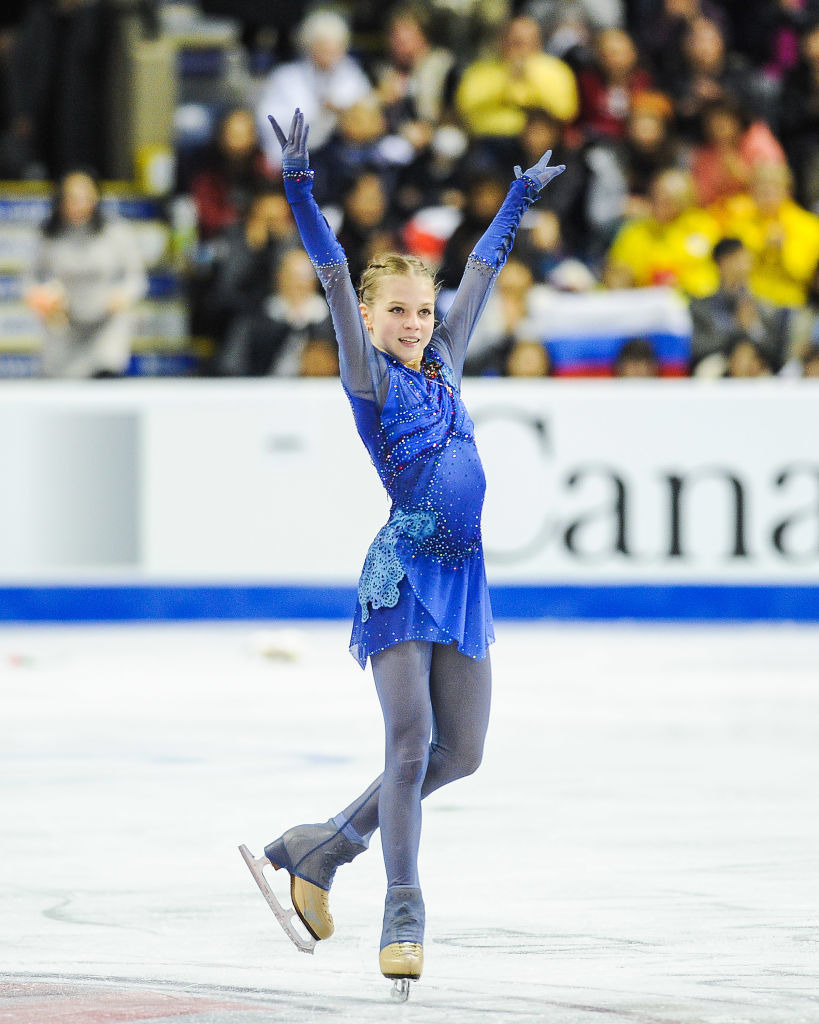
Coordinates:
[391,264]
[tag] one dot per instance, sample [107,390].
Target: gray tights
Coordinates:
[426,690]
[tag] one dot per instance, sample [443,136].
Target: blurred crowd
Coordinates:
[690,131]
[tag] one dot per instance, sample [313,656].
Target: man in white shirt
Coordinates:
[325,80]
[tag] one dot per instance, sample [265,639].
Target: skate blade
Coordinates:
[400,990]
[285,916]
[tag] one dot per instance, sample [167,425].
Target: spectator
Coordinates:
[484,194]
[366,225]
[568,27]
[86,279]
[540,243]
[672,246]
[275,342]
[319,358]
[608,87]
[417,80]
[649,147]
[620,172]
[233,169]
[798,118]
[528,359]
[58,84]
[659,27]
[362,144]
[810,362]
[506,321]
[637,358]
[767,32]
[710,72]
[495,92]
[803,329]
[565,203]
[782,236]
[15,145]
[732,308]
[323,82]
[733,145]
[436,177]
[746,358]
[468,27]
[236,281]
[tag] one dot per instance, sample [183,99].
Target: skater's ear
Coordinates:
[365,315]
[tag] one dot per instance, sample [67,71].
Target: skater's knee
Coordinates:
[468,761]
[457,763]
[407,742]
[471,761]
[409,771]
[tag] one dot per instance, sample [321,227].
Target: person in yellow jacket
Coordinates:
[782,236]
[495,92]
[672,246]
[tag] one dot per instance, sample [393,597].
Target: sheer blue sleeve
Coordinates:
[485,262]
[363,369]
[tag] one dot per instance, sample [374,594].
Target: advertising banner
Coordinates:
[250,485]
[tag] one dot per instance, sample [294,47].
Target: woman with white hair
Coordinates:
[325,80]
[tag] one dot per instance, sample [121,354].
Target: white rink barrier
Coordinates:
[256,499]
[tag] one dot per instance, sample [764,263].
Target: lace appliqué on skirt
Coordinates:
[382,570]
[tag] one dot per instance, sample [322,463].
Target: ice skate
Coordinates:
[284,915]
[311,854]
[402,953]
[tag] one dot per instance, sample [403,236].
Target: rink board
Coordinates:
[256,499]
[183,604]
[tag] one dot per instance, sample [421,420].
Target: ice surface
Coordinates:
[639,846]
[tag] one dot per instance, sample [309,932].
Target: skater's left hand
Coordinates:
[541,172]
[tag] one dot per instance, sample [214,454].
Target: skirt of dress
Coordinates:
[463,615]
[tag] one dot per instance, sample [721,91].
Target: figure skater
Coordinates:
[423,616]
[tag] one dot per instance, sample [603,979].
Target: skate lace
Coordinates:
[323,900]
[329,863]
[327,850]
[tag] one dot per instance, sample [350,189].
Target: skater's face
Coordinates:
[401,317]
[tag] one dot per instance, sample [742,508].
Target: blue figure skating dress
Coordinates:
[423,576]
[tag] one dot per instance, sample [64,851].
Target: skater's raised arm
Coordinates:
[363,372]
[488,258]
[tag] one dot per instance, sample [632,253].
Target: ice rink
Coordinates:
[640,846]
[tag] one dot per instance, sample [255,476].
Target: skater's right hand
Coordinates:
[294,145]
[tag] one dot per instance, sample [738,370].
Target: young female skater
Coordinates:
[423,615]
